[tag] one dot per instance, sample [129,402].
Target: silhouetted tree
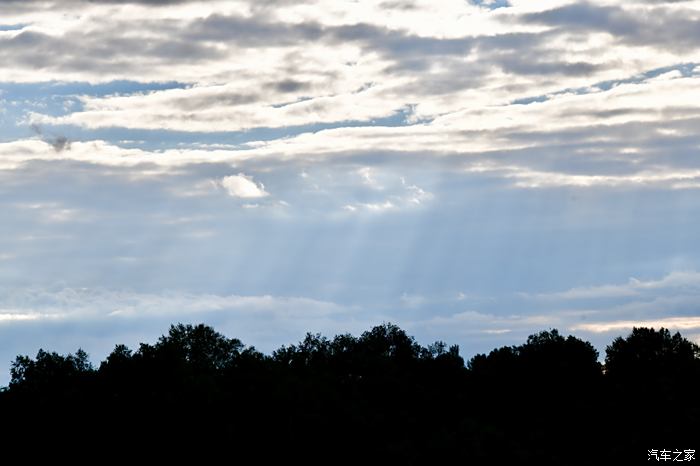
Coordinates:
[550,355]
[49,371]
[653,380]
[200,347]
[546,357]
[376,397]
[649,354]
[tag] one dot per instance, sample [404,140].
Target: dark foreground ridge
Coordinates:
[376,398]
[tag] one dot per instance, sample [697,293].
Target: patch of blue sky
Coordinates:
[14,112]
[165,139]
[491,4]
[28,91]
[17,100]
[686,70]
[11,27]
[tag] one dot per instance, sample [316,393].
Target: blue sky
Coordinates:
[472,171]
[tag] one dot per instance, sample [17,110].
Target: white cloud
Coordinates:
[672,323]
[498,331]
[603,121]
[243,186]
[23,316]
[406,195]
[90,303]
[15,154]
[370,206]
[680,281]
[416,195]
[383,59]
[368,178]
[221,108]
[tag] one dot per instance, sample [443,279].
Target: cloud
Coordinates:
[243,186]
[676,28]
[435,78]
[670,302]
[632,133]
[570,140]
[75,304]
[59,143]
[405,196]
[33,318]
[672,323]
[594,313]
[232,107]
[65,2]
[20,316]
[679,281]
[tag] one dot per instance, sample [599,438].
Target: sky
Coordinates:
[473,171]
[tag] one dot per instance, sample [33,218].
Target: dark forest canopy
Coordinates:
[380,394]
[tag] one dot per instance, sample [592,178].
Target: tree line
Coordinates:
[377,397]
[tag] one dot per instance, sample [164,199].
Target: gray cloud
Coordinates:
[108,50]
[659,27]
[289,85]
[195,103]
[68,2]
[259,32]
[144,2]
[532,64]
[58,142]
[251,31]
[154,46]
[397,43]
[100,51]
[398,5]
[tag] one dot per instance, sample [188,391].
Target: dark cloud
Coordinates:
[398,44]
[405,5]
[585,16]
[523,64]
[529,54]
[107,49]
[100,51]
[27,6]
[526,54]
[289,85]
[658,27]
[251,32]
[259,32]
[118,2]
[201,102]
[454,77]
[58,142]
[143,2]
[110,50]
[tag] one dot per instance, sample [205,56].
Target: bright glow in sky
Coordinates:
[473,171]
